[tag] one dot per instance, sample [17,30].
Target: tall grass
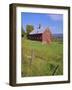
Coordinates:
[40,59]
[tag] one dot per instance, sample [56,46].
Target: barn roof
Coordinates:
[39,31]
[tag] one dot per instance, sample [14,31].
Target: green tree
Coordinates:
[23,32]
[29,28]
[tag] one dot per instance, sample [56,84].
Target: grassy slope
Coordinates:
[44,59]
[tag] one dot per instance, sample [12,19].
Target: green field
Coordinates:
[40,59]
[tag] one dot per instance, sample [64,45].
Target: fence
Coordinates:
[31,55]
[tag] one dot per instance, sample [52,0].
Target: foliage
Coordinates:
[29,28]
[23,33]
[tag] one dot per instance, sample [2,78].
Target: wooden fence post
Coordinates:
[32,56]
[31,61]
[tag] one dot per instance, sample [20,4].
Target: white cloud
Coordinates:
[56,17]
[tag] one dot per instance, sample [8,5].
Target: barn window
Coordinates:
[35,37]
[31,37]
[40,37]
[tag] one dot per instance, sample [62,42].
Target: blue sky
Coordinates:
[53,21]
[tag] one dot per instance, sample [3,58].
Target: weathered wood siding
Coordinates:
[47,37]
[37,37]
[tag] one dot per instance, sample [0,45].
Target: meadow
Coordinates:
[40,59]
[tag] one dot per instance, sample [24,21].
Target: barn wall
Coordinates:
[46,37]
[36,37]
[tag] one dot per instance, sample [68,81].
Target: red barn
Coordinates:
[44,35]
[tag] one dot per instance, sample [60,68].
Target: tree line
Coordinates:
[29,28]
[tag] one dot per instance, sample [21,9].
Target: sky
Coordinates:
[53,21]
